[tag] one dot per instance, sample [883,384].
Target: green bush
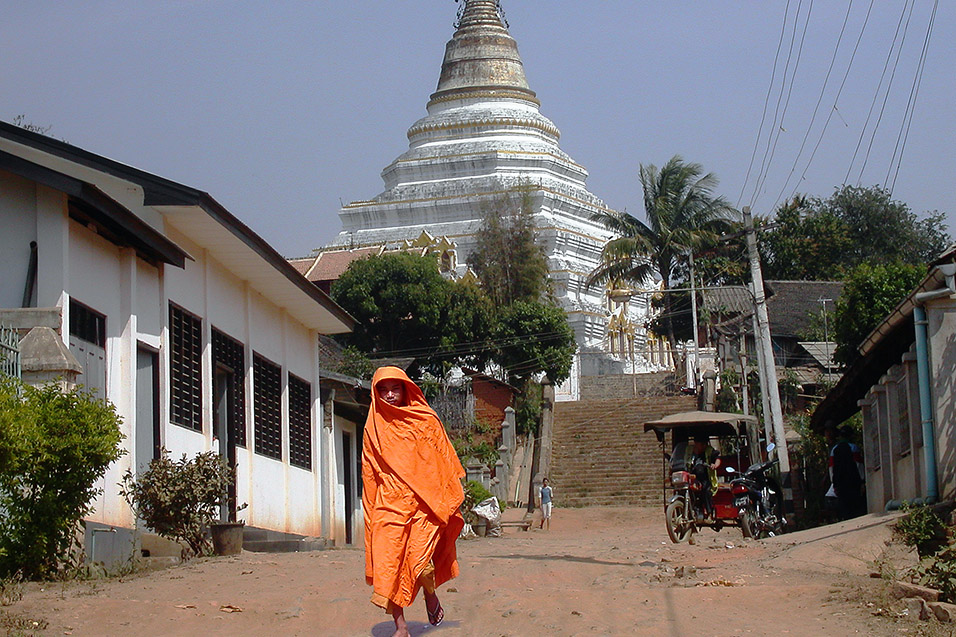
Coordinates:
[179,499]
[54,446]
[476,493]
[939,572]
[922,529]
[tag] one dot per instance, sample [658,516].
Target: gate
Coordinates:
[9,353]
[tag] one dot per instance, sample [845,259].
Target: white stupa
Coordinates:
[482,138]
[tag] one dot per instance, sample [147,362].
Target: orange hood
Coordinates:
[411,442]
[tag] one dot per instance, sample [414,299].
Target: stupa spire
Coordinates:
[481,59]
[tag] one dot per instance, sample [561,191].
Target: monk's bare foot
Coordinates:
[401,628]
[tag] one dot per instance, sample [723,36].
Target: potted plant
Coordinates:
[180,499]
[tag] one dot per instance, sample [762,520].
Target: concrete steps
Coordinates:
[266,541]
[600,453]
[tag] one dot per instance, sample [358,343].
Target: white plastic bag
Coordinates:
[489,510]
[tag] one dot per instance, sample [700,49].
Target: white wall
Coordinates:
[18,215]
[941,315]
[134,296]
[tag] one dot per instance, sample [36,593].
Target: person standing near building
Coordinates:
[411,479]
[846,473]
[546,496]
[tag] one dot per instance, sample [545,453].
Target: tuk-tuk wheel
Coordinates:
[677,521]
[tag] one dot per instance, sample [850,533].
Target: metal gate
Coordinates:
[9,352]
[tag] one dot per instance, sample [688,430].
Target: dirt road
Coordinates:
[598,571]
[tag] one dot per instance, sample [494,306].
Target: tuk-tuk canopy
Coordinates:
[705,423]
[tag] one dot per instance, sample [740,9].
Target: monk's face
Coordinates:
[391,391]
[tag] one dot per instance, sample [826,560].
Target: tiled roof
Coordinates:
[330,265]
[303,265]
[728,300]
[791,304]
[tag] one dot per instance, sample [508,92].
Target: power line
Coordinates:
[776,112]
[826,81]
[836,99]
[779,128]
[911,103]
[766,102]
[886,96]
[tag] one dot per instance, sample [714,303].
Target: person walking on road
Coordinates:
[545,496]
[411,479]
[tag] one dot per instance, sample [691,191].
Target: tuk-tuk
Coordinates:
[683,514]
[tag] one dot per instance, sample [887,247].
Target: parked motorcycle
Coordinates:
[685,509]
[759,499]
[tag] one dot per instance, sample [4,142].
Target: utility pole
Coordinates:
[693,311]
[765,353]
[826,334]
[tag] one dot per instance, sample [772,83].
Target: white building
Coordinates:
[199,332]
[483,139]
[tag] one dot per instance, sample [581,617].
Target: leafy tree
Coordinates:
[683,215]
[870,293]
[58,445]
[507,258]
[825,239]
[532,338]
[355,363]
[405,307]
[806,245]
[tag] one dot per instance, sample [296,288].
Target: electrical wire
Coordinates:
[776,112]
[836,99]
[888,87]
[816,108]
[911,103]
[766,103]
[779,128]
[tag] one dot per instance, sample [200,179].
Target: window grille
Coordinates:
[9,352]
[267,385]
[229,352]
[87,324]
[185,368]
[300,423]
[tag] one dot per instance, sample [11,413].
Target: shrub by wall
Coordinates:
[54,446]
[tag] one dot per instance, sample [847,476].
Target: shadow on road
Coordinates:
[563,558]
[386,629]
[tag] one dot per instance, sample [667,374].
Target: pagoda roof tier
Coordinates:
[482,60]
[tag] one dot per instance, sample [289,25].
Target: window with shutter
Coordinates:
[267,389]
[185,368]
[300,423]
[88,344]
[229,352]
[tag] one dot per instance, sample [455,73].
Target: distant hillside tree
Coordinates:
[869,295]
[826,239]
[507,258]
[404,307]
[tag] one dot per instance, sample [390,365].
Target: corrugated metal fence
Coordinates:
[9,352]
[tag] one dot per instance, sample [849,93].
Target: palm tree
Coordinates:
[683,216]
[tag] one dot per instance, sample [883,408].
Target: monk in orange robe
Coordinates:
[411,494]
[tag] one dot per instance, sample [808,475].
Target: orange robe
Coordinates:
[411,494]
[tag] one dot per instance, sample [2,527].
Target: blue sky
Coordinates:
[283,110]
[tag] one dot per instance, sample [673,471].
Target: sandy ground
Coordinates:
[598,571]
